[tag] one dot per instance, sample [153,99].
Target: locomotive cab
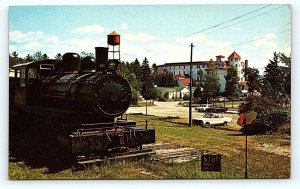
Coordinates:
[26,81]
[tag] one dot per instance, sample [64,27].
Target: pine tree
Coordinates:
[148,89]
[135,67]
[145,71]
[29,58]
[252,79]
[58,56]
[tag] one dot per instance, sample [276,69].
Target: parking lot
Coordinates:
[165,109]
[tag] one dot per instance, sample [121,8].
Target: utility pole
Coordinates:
[246,126]
[190,103]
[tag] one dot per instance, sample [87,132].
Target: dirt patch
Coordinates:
[278,150]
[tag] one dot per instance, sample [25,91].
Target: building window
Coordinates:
[183,72]
[174,73]
[183,67]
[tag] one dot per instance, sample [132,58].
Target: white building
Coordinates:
[222,66]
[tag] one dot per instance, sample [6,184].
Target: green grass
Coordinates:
[229,143]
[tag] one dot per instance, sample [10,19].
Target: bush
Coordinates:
[186,96]
[135,97]
[270,116]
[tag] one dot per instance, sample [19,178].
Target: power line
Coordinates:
[247,19]
[257,39]
[228,21]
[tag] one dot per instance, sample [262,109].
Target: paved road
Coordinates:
[165,109]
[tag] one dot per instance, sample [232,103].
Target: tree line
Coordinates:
[270,96]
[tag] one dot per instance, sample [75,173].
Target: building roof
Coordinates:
[186,63]
[185,81]
[220,56]
[234,55]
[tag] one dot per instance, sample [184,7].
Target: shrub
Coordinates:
[186,96]
[270,115]
[135,97]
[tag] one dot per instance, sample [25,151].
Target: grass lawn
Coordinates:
[227,142]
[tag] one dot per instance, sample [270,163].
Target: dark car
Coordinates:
[201,101]
[217,109]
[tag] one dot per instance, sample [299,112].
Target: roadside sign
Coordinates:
[211,162]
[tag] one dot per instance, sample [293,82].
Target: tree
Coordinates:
[29,58]
[58,56]
[232,89]
[135,67]
[273,105]
[252,79]
[13,59]
[132,80]
[287,71]
[145,71]
[148,89]
[197,92]
[277,79]
[164,79]
[85,54]
[211,85]
[40,56]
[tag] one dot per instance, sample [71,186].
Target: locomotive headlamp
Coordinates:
[112,65]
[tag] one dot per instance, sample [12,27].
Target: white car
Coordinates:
[212,119]
[202,108]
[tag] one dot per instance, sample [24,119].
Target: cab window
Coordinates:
[32,73]
[22,77]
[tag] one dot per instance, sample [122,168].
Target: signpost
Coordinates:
[211,162]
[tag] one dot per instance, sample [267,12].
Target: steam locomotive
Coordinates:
[79,101]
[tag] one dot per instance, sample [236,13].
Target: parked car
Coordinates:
[221,99]
[212,119]
[201,101]
[217,109]
[203,108]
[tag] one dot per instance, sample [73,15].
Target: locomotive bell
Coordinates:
[113,39]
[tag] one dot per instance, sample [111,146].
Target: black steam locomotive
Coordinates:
[79,103]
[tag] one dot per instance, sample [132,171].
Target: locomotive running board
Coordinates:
[86,162]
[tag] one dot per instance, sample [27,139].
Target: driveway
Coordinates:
[165,109]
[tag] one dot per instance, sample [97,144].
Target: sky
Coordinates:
[162,33]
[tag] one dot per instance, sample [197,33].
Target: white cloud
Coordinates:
[139,37]
[16,36]
[265,41]
[92,28]
[193,38]
[235,29]
[12,48]
[31,46]
[124,26]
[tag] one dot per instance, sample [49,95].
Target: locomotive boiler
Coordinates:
[78,103]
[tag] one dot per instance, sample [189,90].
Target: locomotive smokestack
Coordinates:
[101,57]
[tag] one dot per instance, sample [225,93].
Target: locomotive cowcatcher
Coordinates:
[76,105]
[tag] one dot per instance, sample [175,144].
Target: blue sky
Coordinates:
[155,32]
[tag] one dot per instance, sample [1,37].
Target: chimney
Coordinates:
[246,64]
